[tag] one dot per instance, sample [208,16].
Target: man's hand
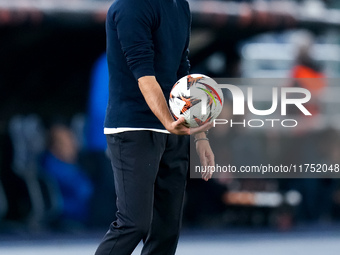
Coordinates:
[178,127]
[206,156]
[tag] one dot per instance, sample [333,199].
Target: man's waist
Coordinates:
[126,129]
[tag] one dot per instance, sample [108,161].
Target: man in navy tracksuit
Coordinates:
[147,52]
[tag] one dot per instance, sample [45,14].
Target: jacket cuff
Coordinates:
[143,70]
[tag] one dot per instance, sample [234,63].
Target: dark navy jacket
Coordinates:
[144,37]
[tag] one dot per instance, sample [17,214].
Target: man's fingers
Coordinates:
[202,128]
[206,161]
[210,162]
[179,127]
[180,121]
[207,175]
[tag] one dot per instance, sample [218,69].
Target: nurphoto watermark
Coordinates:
[275,128]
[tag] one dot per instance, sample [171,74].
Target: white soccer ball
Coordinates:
[197,98]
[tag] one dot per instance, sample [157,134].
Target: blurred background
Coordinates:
[56,181]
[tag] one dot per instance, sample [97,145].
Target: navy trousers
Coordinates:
[150,170]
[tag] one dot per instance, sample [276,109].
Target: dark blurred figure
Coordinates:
[307,73]
[60,162]
[19,204]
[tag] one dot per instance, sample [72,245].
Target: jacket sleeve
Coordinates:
[134,21]
[184,67]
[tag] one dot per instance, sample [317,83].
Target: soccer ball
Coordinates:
[197,98]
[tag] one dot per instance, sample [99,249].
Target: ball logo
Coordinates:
[204,109]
